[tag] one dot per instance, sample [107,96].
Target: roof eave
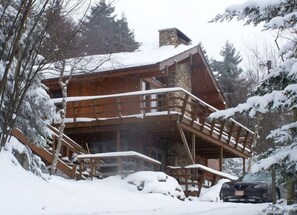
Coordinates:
[177,58]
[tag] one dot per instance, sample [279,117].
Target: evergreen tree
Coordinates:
[278,91]
[204,52]
[62,33]
[228,73]
[24,102]
[103,33]
[233,166]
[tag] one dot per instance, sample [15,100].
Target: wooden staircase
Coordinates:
[68,148]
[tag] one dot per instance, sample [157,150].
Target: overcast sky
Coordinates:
[146,17]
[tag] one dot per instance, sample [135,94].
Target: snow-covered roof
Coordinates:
[208,169]
[119,154]
[124,60]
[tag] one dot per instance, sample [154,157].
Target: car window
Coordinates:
[257,177]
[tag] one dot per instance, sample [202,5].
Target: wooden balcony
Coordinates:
[171,112]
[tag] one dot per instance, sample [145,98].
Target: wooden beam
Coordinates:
[243,166]
[118,140]
[194,147]
[221,158]
[119,160]
[184,139]
[200,181]
[213,140]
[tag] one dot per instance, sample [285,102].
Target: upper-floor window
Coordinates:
[56,93]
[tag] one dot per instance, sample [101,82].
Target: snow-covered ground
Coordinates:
[24,193]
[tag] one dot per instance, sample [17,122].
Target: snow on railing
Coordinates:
[159,102]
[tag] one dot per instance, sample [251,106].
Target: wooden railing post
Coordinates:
[168,103]
[74,112]
[212,126]
[119,107]
[222,129]
[237,137]
[96,109]
[230,132]
[245,140]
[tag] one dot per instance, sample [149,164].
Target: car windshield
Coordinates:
[261,176]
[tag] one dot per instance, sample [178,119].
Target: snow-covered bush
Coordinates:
[25,156]
[156,182]
[212,194]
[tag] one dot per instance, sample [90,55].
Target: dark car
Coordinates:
[249,188]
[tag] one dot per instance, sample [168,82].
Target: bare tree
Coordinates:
[24,29]
[63,84]
[22,37]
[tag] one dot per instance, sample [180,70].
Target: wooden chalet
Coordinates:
[155,103]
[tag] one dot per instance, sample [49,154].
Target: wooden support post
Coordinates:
[91,168]
[80,168]
[186,182]
[221,158]
[201,180]
[184,139]
[118,140]
[119,160]
[74,173]
[194,147]
[243,166]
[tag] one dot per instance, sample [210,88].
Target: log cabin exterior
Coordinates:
[156,103]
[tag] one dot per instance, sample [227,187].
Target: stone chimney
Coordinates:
[172,36]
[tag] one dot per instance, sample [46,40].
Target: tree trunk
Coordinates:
[273,186]
[63,86]
[61,129]
[254,143]
[290,196]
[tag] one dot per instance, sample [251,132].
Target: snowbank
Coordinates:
[23,193]
[212,194]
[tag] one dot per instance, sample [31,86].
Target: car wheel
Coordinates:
[225,200]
